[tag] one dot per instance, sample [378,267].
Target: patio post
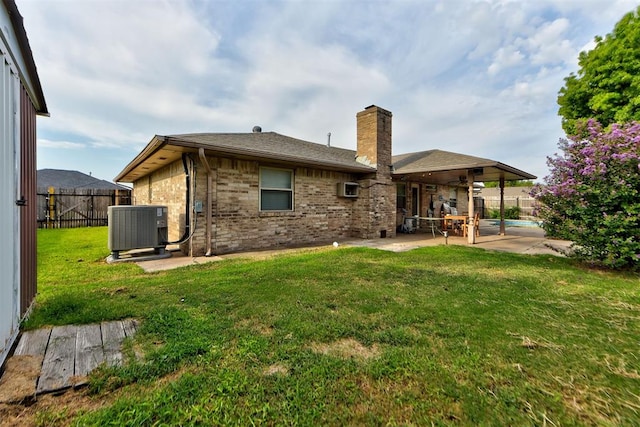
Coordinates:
[502,229]
[471,228]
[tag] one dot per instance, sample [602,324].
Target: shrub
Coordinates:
[591,196]
[511,212]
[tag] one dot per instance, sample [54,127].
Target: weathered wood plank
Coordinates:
[18,382]
[130,327]
[112,337]
[89,353]
[33,343]
[57,368]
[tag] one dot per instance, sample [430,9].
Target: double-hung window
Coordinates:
[276,189]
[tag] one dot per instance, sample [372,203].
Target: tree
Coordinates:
[607,86]
[592,195]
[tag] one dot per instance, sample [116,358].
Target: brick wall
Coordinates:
[167,187]
[375,214]
[319,215]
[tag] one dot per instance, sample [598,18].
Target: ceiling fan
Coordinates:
[462,180]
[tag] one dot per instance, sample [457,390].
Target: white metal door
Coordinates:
[9,215]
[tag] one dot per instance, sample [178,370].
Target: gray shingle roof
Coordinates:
[266,146]
[272,145]
[437,160]
[446,165]
[59,178]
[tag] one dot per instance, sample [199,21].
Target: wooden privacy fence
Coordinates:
[71,208]
[525,203]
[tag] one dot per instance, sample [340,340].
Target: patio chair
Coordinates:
[476,225]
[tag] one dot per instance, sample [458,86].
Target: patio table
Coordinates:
[433,223]
[452,218]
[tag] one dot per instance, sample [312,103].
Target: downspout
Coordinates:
[204,161]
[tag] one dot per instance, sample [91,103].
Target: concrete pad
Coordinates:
[136,256]
[178,259]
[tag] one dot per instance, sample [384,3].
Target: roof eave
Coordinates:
[18,27]
[466,167]
[158,142]
[154,145]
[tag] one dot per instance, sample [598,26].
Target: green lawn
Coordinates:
[444,335]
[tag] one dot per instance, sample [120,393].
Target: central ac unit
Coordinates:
[137,227]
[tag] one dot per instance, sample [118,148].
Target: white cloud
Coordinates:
[505,57]
[65,145]
[549,45]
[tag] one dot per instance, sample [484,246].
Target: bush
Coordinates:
[592,195]
[511,212]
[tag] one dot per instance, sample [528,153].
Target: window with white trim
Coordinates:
[276,189]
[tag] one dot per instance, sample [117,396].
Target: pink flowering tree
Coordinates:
[592,195]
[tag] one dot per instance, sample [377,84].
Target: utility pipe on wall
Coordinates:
[187,224]
[209,199]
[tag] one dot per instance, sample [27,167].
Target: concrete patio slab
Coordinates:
[522,240]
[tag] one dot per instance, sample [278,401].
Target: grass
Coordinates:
[440,335]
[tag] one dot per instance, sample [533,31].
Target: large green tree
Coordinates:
[607,85]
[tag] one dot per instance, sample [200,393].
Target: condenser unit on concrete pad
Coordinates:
[137,227]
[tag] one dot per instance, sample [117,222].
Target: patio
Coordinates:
[523,240]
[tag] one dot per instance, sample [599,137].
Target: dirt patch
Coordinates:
[276,369]
[347,348]
[18,383]
[49,409]
[255,326]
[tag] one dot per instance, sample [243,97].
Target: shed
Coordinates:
[21,100]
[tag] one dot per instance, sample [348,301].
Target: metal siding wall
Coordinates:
[28,213]
[9,227]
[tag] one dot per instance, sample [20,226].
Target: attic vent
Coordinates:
[256,129]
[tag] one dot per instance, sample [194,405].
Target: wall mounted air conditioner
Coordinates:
[348,189]
[137,227]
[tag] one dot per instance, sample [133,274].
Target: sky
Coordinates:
[472,77]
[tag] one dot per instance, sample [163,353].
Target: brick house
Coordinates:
[247,191]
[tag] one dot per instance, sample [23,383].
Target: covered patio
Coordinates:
[436,169]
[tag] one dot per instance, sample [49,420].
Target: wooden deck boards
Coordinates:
[70,353]
[89,351]
[59,360]
[33,343]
